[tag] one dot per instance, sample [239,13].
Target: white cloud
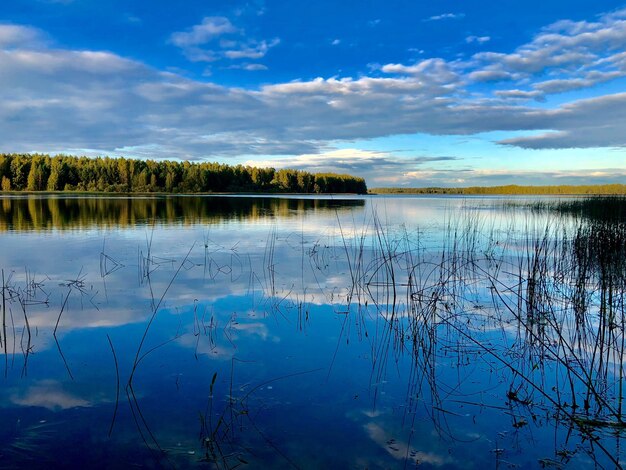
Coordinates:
[568,84]
[520,94]
[347,158]
[477,39]
[254,67]
[563,48]
[373,164]
[199,43]
[594,122]
[491,75]
[562,85]
[210,28]
[19,36]
[535,60]
[431,70]
[447,16]
[254,50]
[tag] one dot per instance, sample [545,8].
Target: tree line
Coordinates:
[511,189]
[37,172]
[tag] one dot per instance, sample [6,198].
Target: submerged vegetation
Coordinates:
[521,324]
[511,190]
[19,172]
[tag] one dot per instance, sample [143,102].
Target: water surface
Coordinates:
[372,332]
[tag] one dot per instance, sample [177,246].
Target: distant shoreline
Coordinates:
[562,190]
[511,190]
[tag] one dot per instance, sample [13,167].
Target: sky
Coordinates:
[401,92]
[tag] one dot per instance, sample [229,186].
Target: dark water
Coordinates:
[226,332]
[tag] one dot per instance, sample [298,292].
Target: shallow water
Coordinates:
[374,332]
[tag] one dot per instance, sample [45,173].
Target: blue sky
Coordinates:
[403,93]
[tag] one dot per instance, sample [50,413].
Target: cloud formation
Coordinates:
[477,39]
[571,54]
[12,36]
[199,43]
[356,161]
[210,28]
[57,99]
[446,16]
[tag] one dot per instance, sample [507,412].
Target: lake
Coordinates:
[309,332]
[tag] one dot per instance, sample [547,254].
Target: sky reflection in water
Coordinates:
[274,336]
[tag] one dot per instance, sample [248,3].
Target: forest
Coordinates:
[37,172]
[604,189]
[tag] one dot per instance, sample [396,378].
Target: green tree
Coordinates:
[38,174]
[68,173]
[6,184]
[20,168]
[58,174]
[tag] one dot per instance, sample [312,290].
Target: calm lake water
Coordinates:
[374,332]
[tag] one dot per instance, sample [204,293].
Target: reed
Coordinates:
[562,284]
